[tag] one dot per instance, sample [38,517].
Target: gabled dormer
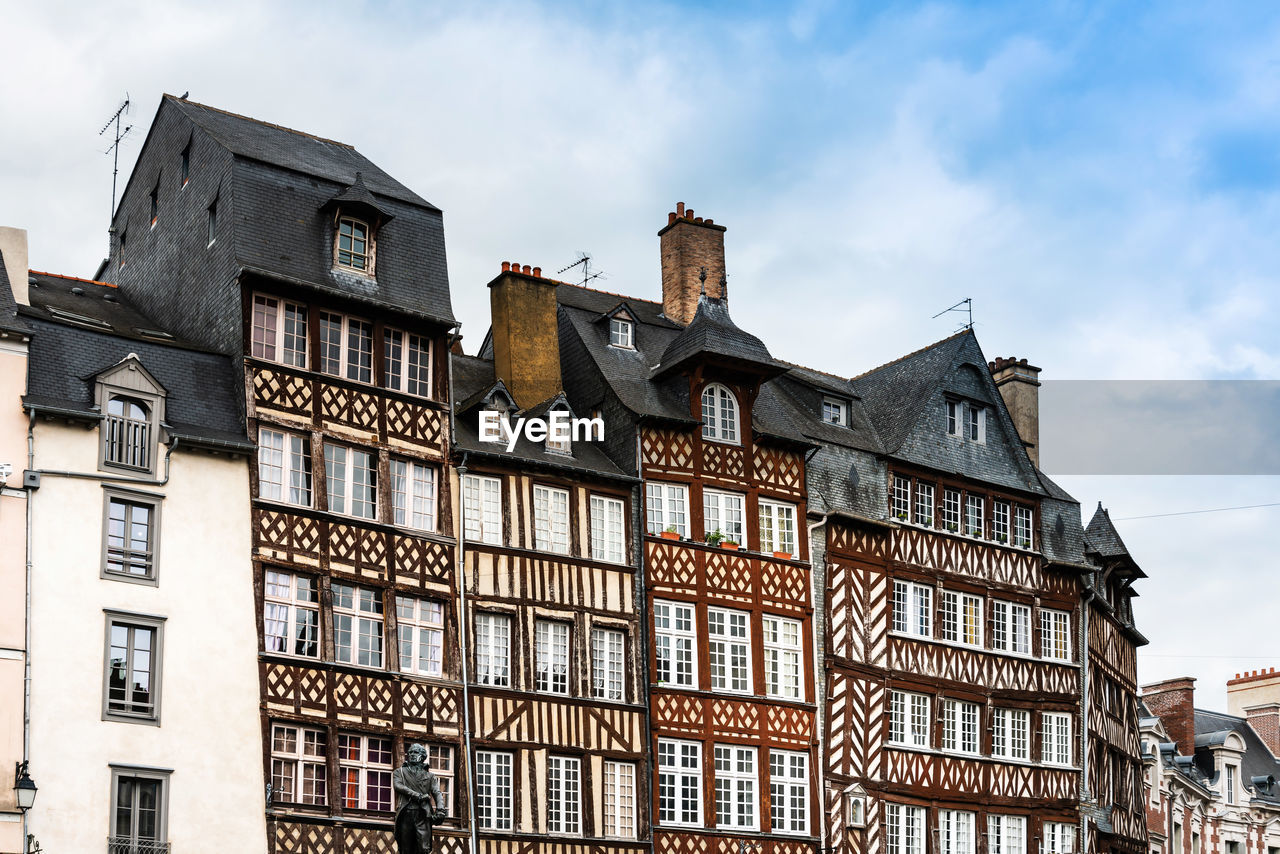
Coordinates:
[132,403]
[622,327]
[356,218]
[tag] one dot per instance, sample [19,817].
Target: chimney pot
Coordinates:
[710,221]
[526,269]
[679,208]
[697,219]
[671,217]
[688,214]
[506,266]
[537,272]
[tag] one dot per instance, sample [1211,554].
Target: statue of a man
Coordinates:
[419,803]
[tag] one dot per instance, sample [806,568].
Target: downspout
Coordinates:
[642,611]
[26,629]
[1089,595]
[820,679]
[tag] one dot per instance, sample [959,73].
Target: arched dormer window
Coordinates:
[127,433]
[132,403]
[719,414]
[355,251]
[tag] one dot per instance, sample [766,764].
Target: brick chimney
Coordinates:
[1255,696]
[690,245]
[526,340]
[1019,385]
[13,246]
[1173,702]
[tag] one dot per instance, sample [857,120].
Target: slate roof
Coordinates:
[1061,531]
[712,333]
[10,321]
[1211,729]
[1102,536]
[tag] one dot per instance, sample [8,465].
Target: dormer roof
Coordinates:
[356,199]
[713,336]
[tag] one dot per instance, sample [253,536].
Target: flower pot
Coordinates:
[670,535]
[782,555]
[733,547]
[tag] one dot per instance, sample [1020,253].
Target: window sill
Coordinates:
[123,718]
[142,580]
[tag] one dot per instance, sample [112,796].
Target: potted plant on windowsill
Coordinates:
[782,555]
[1026,544]
[671,532]
[927,521]
[729,544]
[1001,538]
[715,538]
[952,527]
[901,517]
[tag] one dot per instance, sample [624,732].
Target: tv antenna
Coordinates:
[967,302]
[584,261]
[114,148]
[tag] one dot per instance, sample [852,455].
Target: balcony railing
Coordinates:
[125,845]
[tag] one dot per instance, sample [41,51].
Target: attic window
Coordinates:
[967,420]
[78,319]
[153,333]
[186,166]
[353,244]
[124,238]
[155,204]
[834,411]
[559,442]
[620,333]
[719,414]
[127,433]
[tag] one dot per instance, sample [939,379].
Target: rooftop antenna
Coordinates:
[114,148]
[584,261]
[967,302]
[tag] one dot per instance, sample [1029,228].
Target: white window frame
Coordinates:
[482,509]
[974,523]
[440,758]
[778,527]
[420,635]
[924,507]
[493,809]
[289,454]
[608,529]
[975,423]
[667,506]
[353,333]
[1011,734]
[1010,627]
[551,519]
[493,648]
[1024,535]
[783,657]
[960,618]
[286,598]
[278,342]
[1055,738]
[789,792]
[564,795]
[1000,520]
[608,663]
[909,720]
[414,494]
[410,370]
[724,512]
[366,257]
[551,657]
[835,411]
[737,787]
[954,412]
[1229,783]
[679,783]
[621,333]
[901,498]
[341,465]
[362,619]
[676,643]
[1060,838]
[299,755]
[1055,634]
[729,650]
[720,415]
[961,732]
[957,831]
[1006,834]
[912,609]
[619,800]
[372,773]
[904,829]
[951,511]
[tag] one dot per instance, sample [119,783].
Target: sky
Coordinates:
[1103,180]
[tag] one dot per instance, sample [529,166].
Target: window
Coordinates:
[493,649]
[1000,521]
[298,765]
[730,650]
[1055,738]
[1229,783]
[186,165]
[679,782]
[440,760]
[954,410]
[279,332]
[904,829]
[1010,627]
[127,434]
[973,515]
[1011,734]
[284,467]
[482,509]
[1195,842]
[407,362]
[133,668]
[357,625]
[139,810]
[608,665]
[1006,834]
[960,618]
[353,244]
[833,411]
[352,478]
[130,533]
[777,527]
[1060,837]
[908,719]
[789,791]
[124,237]
[924,503]
[413,495]
[212,227]
[619,800]
[975,423]
[674,641]
[559,434]
[1055,634]
[1022,526]
[722,511]
[782,652]
[155,205]
[364,772]
[607,529]
[551,668]
[901,498]
[960,726]
[551,519]
[564,787]
[956,832]
[668,507]
[913,609]
[951,509]
[735,787]
[493,790]
[290,614]
[620,333]
[719,414]
[420,631]
[346,347]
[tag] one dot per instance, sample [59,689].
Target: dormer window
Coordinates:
[354,250]
[127,433]
[835,412]
[155,205]
[967,420]
[559,439]
[719,414]
[186,166]
[621,333]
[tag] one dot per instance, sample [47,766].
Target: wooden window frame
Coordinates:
[551,533]
[420,621]
[564,795]
[777,648]
[671,497]
[482,509]
[607,544]
[293,605]
[283,343]
[498,655]
[732,646]
[675,637]
[788,785]
[721,415]
[132,622]
[126,554]
[685,766]
[365,767]
[297,762]
[733,787]
[295,463]
[361,621]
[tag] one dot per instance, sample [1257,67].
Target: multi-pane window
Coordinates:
[1055,634]
[279,330]
[975,423]
[973,515]
[674,641]
[833,411]
[913,608]
[782,655]
[130,538]
[564,794]
[607,530]
[668,507]
[620,333]
[407,362]
[1000,521]
[139,811]
[126,433]
[357,625]
[346,347]
[722,511]
[954,411]
[960,618]
[960,726]
[1011,733]
[440,760]
[1229,783]
[1010,627]
[133,662]
[908,719]
[413,494]
[789,791]
[735,787]
[924,503]
[951,509]
[1060,838]
[719,414]
[1022,526]
[284,467]
[679,782]
[352,479]
[608,665]
[364,772]
[493,649]
[482,509]
[729,647]
[551,656]
[493,789]
[290,614]
[956,832]
[901,498]
[298,765]
[551,519]
[1006,834]
[619,800]
[904,829]
[777,527]
[353,244]
[420,632]
[1055,738]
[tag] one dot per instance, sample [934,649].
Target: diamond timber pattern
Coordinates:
[667,451]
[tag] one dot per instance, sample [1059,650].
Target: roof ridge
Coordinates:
[72,278]
[814,370]
[623,297]
[913,353]
[302,133]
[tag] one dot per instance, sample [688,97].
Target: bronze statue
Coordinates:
[419,802]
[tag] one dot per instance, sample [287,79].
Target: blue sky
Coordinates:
[1103,180]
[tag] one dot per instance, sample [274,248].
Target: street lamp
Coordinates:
[24,786]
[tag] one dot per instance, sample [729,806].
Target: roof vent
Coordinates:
[78,292]
[109,296]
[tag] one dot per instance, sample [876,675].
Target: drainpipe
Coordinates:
[820,674]
[26,629]
[642,611]
[1089,595]
[464,642]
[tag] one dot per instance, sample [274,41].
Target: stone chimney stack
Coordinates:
[1255,696]
[526,338]
[1019,385]
[13,245]
[690,245]
[1173,702]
